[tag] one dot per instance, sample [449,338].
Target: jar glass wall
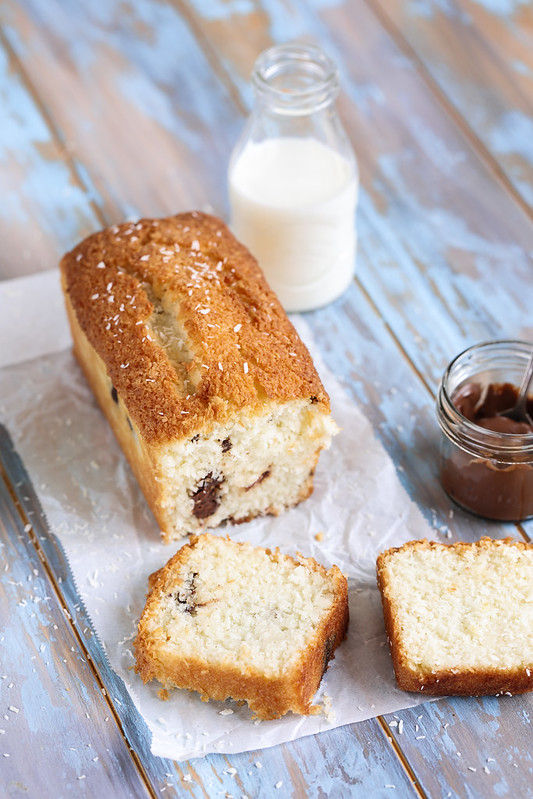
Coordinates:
[486,471]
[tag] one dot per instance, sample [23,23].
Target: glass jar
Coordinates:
[293,179]
[486,471]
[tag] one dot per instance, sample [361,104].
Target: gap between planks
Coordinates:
[398,751]
[447,104]
[28,529]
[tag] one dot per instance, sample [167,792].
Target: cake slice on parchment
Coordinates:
[459,617]
[229,619]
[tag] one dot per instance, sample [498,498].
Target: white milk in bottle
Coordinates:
[293,180]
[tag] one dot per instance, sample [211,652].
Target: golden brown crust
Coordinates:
[459,546]
[267,696]
[448,682]
[140,455]
[242,348]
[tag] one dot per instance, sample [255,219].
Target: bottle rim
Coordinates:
[295,78]
[465,433]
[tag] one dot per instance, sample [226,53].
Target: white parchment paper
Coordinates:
[94,506]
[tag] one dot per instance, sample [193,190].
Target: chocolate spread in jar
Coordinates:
[482,406]
[493,487]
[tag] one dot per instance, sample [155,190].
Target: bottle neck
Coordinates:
[295,80]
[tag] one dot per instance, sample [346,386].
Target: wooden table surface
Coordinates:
[115,109]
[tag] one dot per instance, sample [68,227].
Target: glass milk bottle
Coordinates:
[293,179]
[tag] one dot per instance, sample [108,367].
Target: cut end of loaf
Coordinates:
[258,464]
[230,620]
[459,617]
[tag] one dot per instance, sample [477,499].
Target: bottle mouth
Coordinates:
[295,78]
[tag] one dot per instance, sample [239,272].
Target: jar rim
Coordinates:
[295,77]
[470,433]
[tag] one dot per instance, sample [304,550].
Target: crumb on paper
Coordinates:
[163,695]
[319,536]
[329,713]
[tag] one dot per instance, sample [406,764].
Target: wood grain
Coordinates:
[436,228]
[134,95]
[43,709]
[463,762]
[38,182]
[118,110]
[480,55]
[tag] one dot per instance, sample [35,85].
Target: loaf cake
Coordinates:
[230,620]
[210,392]
[459,617]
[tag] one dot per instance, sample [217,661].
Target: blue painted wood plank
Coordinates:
[404,266]
[445,253]
[37,184]
[43,710]
[358,343]
[378,765]
[481,57]
[149,125]
[466,764]
[409,262]
[436,230]
[389,768]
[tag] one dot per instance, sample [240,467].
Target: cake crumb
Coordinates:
[163,695]
[329,713]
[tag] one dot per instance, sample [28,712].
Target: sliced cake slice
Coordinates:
[232,620]
[459,617]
